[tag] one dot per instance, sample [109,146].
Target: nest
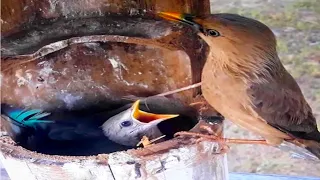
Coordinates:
[76,63]
[49,65]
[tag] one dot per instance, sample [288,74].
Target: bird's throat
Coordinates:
[246,67]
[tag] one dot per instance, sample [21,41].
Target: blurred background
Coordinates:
[296,24]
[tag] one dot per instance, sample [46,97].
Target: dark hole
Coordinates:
[78,132]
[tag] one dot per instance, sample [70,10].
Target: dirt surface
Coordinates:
[296,23]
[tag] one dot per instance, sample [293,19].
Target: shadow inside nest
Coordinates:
[78,142]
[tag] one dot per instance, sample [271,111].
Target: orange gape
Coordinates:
[146,117]
[244,80]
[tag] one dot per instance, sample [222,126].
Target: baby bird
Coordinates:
[35,129]
[128,127]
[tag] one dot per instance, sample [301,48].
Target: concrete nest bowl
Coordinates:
[74,63]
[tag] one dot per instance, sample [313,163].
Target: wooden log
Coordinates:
[174,159]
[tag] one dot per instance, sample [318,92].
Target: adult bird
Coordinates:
[244,80]
[34,128]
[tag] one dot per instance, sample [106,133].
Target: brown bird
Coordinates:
[244,80]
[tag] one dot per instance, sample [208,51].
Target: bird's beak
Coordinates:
[181,17]
[146,117]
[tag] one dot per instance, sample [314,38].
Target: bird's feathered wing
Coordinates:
[282,105]
[25,117]
[57,126]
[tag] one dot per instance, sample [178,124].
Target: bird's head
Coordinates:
[221,31]
[243,46]
[128,127]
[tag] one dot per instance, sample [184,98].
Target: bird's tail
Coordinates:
[311,141]
[313,147]
[304,149]
[24,117]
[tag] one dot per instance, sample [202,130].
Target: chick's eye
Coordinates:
[213,33]
[126,123]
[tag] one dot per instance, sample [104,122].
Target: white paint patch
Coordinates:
[29,76]
[64,71]
[87,170]
[118,67]
[51,80]
[1,79]
[21,80]
[116,63]
[92,45]
[69,99]
[46,70]
[77,171]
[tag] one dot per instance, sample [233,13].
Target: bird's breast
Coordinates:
[228,95]
[223,92]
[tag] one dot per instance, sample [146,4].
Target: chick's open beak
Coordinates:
[146,117]
[180,17]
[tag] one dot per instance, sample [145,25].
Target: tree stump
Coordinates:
[70,54]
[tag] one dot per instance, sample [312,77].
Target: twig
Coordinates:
[179,90]
[145,140]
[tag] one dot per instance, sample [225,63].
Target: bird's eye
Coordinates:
[213,33]
[126,123]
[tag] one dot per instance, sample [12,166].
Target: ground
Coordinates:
[296,23]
